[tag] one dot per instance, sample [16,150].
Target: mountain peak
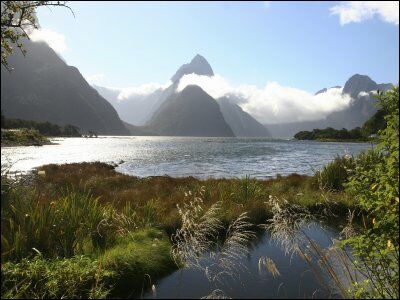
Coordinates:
[198,65]
[359,83]
[198,58]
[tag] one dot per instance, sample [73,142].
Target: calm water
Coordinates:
[186,156]
[295,281]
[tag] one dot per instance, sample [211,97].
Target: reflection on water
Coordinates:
[186,156]
[296,280]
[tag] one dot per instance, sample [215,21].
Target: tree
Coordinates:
[18,18]
[3,120]
[375,184]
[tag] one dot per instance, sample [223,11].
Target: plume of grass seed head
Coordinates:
[198,237]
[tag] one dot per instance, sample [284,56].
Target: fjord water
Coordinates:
[296,280]
[186,156]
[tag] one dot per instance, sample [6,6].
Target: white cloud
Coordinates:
[141,90]
[132,93]
[362,94]
[359,11]
[273,103]
[54,39]
[366,94]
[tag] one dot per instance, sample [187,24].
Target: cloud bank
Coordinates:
[141,90]
[274,103]
[359,11]
[54,39]
[131,93]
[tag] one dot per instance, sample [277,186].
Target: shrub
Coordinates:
[335,174]
[375,185]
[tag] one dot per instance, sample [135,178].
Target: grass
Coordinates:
[137,260]
[78,277]
[22,137]
[155,199]
[95,232]
[72,246]
[335,174]
[126,269]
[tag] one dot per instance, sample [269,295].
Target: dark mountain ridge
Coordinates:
[42,87]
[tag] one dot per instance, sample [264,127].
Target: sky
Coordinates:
[299,47]
[299,44]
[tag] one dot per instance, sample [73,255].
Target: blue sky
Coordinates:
[297,44]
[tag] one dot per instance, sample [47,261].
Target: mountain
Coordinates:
[191,112]
[42,87]
[135,109]
[139,109]
[238,121]
[138,130]
[150,113]
[198,65]
[241,123]
[359,83]
[325,89]
[363,105]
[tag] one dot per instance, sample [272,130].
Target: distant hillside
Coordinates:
[138,130]
[363,105]
[241,123]
[42,87]
[191,112]
[365,133]
[135,109]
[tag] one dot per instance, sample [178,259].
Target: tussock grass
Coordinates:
[137,260]
[335,174]
[155,199]
[39,278]
[196,244]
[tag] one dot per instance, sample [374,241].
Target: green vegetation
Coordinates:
[375,186]
[76,247]
[44,128]
[109,229]
[22,137]
[335,174]
[155,198]
[17,132]
[39,278]
[372,180]
[330,134]
[376,123]
[359,134]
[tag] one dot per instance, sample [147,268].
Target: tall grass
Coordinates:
[335,268]
[74,246]
[197,244]
[335,174]
[62,228]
